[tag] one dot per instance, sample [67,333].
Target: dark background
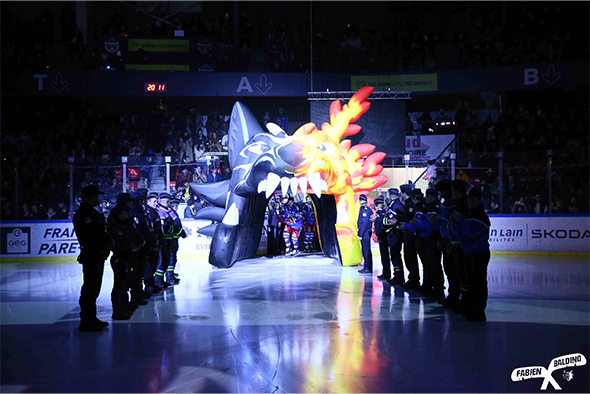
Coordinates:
[383,125]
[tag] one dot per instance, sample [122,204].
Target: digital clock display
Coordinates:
[152,87]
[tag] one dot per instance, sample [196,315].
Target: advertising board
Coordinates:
[56,240]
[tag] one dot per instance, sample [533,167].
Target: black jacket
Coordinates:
[90,229]
[144,226]
[156,223]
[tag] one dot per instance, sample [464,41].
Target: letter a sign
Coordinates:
[244,85]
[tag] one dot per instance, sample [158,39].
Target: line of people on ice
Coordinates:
[449,232]
[143,235]
[285,222]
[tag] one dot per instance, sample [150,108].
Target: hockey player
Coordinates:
[291,215]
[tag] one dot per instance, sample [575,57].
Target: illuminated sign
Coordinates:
[158,45]
[158,67]
[402,82]
[151,87]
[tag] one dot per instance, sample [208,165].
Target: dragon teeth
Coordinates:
[315,181]
[341,214]
[272,181]
[294,183]
[284,185]
[303,184]
[232,216]
[274,129]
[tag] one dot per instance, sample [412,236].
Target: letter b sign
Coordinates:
[531,76]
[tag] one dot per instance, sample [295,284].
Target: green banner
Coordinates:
[157,67]
[157,45]
[401,82]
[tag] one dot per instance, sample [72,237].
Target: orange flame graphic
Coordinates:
[343,167]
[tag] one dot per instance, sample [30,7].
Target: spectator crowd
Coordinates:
[430,36]
[39,142]
[38,139]
[524,134]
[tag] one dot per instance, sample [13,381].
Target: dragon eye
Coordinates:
[259,148]
[322,148]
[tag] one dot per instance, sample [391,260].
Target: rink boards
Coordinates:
[55,240]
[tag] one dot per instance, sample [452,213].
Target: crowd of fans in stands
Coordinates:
[39,142]
[421,39]
[44,139]
[97,138]
[524,134]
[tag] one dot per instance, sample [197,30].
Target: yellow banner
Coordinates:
[157,67]
[407,82]
[157,45]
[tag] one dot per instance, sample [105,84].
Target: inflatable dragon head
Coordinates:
[313,161]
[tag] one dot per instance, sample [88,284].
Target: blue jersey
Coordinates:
[445,215]
[473,232]
[292,216]
[423,227]
[445,218]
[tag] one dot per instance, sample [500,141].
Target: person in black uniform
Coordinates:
[282,248]
[127,241]
[459,188]
[419,209]
[119,229]
[134,256]
[474,231]
[271,232]
[394,237]
[166,215]
[364,234]
[139,259]
[409,239]
[154,253]
[90,228]
[432,255]
[178,232]
[444,242]
[378,219]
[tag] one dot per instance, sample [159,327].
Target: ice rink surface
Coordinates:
[302,324]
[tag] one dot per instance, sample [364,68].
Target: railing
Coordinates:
[111,175]
[546,182]
[422,183]
[553,181]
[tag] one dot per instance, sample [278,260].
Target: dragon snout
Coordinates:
[293,152]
